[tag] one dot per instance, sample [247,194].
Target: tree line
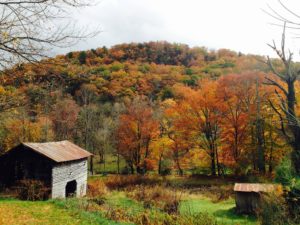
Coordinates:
[153,115]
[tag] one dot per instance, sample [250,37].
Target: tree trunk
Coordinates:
[296,153]
[100,156]
[260,147]
[145,166]
[288,104]
[218,164]
[271,151]
[253,143]
[293,125]
[118,163]
[260,135]
[92,165]
[160,164]
[180,171]
[104,163]
[213,164]
[176,156]
[271,161]
[131,168]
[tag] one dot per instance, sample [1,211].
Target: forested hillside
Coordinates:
[157,106]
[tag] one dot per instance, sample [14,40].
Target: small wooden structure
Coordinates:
[62,166]
[248,195]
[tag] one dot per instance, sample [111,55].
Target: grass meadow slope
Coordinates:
[133,200]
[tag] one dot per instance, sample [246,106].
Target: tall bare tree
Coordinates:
[290,125]
[30,28]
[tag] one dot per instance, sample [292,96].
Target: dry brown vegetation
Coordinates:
[97,188]
[121,182]
[32,190]
[157,196]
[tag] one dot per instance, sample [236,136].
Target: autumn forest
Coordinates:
[169,112]
[158,107]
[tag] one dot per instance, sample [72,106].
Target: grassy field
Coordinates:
[222,211]
[16,212]
[64,212]
[24,212]
[126,206]
[110,165]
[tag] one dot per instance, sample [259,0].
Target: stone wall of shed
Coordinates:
[65,172]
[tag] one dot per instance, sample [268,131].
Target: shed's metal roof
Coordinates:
[61,151]
[250,187]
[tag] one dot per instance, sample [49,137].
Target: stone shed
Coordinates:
[62,166]
[248,195]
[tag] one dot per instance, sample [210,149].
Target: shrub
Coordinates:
[157,218]
[272,210]
[172,205]
[120,182]
[165,167]
[167,93]
[117,214]
[284,173]
[189,71]
[158,196]
[222,194]
[82,57]
[145,68]
[293,200]
[125,171]
[115,67]
[32,190]
[97,191]
[70,55]
[190,82]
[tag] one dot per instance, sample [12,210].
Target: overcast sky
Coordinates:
[240,25]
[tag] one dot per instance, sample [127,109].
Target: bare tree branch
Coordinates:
[30,29]
[288,104]
[282,125]
[274,83]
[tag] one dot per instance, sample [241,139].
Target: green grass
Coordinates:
[110,164]
[15,212]
[72,211]
[119,199]
[80,211]
[78,207]
[222,211]
[24,212]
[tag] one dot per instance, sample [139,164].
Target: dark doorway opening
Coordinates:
[71,188]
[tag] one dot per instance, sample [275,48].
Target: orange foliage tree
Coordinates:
[64,119]
[198,120]
[235,93]
[178,130]
[136,130]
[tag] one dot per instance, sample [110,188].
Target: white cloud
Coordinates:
[234,24]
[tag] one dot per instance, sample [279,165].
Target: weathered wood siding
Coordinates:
[21,163]
[65,172]
[247,202]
